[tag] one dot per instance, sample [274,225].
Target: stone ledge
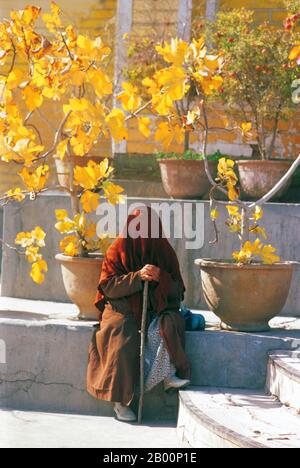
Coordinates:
[283,223]
[47,359]
[234,418]
[283,377]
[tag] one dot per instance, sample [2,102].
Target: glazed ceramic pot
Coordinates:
[245,297]
[81,278]
[258,177]
[186,179]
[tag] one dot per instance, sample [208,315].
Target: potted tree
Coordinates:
[184,74]
[67,68]
[249,289]
[256,91]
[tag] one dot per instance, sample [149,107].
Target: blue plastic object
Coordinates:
[194,322]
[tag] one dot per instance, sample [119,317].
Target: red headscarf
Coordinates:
[128,254]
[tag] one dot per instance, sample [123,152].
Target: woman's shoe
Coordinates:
[124,413]
[175,382]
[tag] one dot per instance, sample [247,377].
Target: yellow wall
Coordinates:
[271,10]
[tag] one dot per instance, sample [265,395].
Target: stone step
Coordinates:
[234,418]
[283,378]
[46,359]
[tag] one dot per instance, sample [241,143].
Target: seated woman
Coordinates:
[114,353]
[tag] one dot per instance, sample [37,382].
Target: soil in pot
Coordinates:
[81,278]
[246,297]
[186,179]
[258,177]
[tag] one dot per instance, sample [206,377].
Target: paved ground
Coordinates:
[22,429]
[43,310]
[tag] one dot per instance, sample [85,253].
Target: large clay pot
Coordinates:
[186,179]
[246,297]
[63,168]
[258,177]
[81,279]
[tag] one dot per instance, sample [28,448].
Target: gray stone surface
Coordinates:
[283,227]
[283,378]
[46,359]
[226,418]
[1,234]
[25,429]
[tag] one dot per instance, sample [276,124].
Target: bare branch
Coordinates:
[278,186]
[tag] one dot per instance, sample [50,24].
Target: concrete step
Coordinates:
[46,359]
[228,418]
[283,378]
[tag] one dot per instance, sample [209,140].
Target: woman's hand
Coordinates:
[150,273]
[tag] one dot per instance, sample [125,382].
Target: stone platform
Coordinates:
[46,351]
[235,418]
[281,220]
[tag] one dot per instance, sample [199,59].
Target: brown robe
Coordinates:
[113,367]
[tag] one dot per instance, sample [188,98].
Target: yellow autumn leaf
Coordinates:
[24,239]
[208,83]
[246,128]
[39,235]
[90,201]
[87,177]
[116,123]
[61,149]
[82,142]
[258,230]
[52,19]
[15,78]
[268,255]
[26,17]
[61,215]
[37,271]
[130,99]
[214,214]
[36,179]
[16,194]
[32,254]
[197,49]
[90,231]
[174,51]
[173,81]
[233,210]
[248,252]
[100,81]
[166,133]
[92,49]
[232,192]
[295,53]
[66,226]
[144,125]
[258,213]
[80,222]
[113,192]
[33,97]
[70,245]
[77,77]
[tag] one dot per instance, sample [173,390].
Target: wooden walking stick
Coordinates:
[142,351]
